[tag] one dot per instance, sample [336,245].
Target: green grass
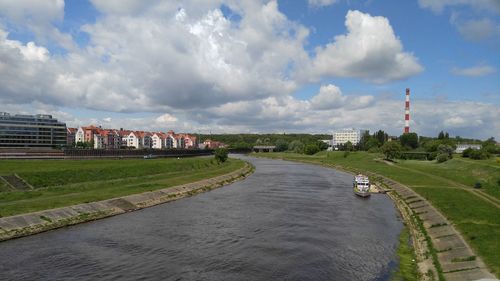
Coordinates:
[477,221]
[442,184]
[407,270]
[62,183]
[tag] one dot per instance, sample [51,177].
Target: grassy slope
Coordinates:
[441,184]
[407,270]
[63,183]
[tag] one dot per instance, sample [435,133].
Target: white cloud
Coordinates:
[330,97]
[437,6]
[370,50]
[321,3]
[474,71]
[194,70]
[38,17]
[475,30]
[166,119]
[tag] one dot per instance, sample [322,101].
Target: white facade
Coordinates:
[462,147]
[133,141]
[158,142]
[345,135]
[98,141]
[79,135]
[170,142]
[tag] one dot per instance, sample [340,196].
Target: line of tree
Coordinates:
[281,141]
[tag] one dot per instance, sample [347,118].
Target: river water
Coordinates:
[287,221]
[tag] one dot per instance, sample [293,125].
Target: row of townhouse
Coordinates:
[115,139]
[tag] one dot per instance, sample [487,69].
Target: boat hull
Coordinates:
[362,194]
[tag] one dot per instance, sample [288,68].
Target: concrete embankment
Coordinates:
[451,255]
[27,224]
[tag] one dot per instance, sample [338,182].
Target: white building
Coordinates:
[80,135]
[158,140]
[98,141]
[345,135]
[462,147]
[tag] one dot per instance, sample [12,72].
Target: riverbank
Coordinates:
[35,222]
[34,185]
[451,256]
[184,177]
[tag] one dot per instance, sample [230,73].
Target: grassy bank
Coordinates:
[407,270]
[448,186]
[61,183]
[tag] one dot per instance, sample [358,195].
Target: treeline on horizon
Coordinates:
[406,146]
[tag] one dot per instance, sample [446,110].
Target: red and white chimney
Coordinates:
[407,111]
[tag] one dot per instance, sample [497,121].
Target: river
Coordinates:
[287,221]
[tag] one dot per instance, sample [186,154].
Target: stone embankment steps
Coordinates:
[27,224]
[15,182]
[457,260]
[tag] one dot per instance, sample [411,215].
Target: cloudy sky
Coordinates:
[255,66]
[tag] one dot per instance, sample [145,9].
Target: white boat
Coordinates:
[361,185]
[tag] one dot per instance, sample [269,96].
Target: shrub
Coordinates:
[480,154]
[311,149]
[432,156]
[478,185]
[346,153]
[445,149]
[442,157]
[296,146]
[374,150]
[466,152]
[220,155]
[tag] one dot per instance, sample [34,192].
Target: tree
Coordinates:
[365,138]
[220,155]
[311,149]
[281,145]
[381,136]
[322,145]
[409,140]
[445,149]
[441,135]
[348,146]
[296,146]
[372,144]
[391,150]
[490,146]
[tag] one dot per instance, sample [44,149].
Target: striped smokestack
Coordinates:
[407,111]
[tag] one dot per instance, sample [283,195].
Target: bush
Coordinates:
[346,153]
[442,157]
[478,185]
[432,156]
[220,155]
[445,149]
[480,154]
[311,149]
[296,146]
[466,152]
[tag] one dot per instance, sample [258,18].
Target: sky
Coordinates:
[251,66]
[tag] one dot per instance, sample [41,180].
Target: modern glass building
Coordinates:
[31,131]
